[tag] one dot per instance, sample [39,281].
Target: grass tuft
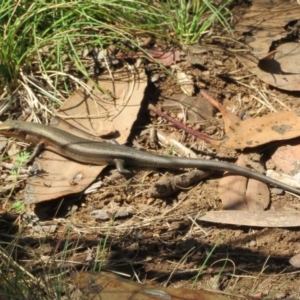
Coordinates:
[38,37]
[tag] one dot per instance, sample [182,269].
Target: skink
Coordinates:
[100,153]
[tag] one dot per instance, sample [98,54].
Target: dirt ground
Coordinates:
[160,242]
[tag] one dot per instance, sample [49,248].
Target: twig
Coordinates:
[179,125]
[12,167]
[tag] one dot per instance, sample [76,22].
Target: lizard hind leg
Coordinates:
[120,167]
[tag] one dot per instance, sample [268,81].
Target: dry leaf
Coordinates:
[265,22]
[253,219]
[99,286]
[282,71]
[196,108]
[241,193]
[89,115]
[257,195]
[257,131]
[59,177]
[231,191]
